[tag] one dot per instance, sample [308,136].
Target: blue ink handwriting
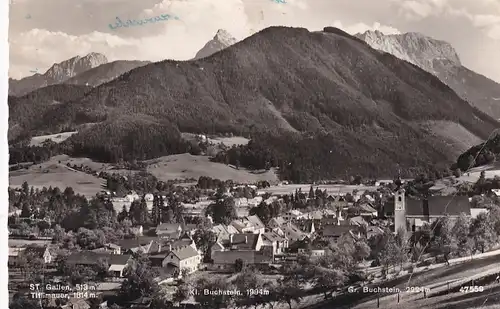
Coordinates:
[119,23]
[279,1]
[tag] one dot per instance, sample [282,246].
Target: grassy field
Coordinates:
[55,173]
[455,136]
[27,242]
[228,141]
[447,185]
[58,138]
[184,166]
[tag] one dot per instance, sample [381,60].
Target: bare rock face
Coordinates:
[413,47]
[441,59]
[58,73]
[221,40]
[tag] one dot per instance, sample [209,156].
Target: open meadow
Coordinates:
[57,138]
[55,173]
[185,166]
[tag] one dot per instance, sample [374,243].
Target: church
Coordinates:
[412,214]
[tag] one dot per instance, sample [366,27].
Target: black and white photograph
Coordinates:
[253,154]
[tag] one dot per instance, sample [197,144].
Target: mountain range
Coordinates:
[315,103]
[58,73]
[94,69]
[441,59]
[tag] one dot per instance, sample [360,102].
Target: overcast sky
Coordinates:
[43,32]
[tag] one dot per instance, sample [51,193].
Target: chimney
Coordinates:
[159,246]
[169,247]
[231,238]
[246,239]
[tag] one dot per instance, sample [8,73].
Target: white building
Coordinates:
[184,258]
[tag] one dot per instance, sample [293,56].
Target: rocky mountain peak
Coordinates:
[413,47]
[221,40]
[60,72]
[224,37]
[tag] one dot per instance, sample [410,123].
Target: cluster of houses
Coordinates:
[263,244]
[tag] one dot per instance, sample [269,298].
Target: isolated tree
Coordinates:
[246,280]
[90,239]
[140,279]
[328,280]
[272,298]
[123,214]
[402,247]
[443,242]
[483,232]
[362,250]
[311,192]
[460,233]
[223,211]
[238,265]
[213,301]
[181,293]
[138,212]
[204,239]
[26,211]
[289,292]
[155,210]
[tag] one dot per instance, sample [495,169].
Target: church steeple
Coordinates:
[397,181]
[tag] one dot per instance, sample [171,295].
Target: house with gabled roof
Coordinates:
[334,232]
[309,248]
[293,233]
[276,222]
[249,224]
[109,248]
[184,258]
[248,247]
[169,230]
[275,241]
[293,214]
[141,244]
[222,232]
[306,225]
[226,260]
[367,210]
[116,262]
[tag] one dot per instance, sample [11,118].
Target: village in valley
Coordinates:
[217,244]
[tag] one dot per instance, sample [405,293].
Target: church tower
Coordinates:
[399,210]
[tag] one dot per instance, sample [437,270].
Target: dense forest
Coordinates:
[323,156]
[484,153]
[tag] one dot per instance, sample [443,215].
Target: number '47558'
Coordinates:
[472,289]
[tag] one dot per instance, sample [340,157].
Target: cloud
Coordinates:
[483,14]
[361,28]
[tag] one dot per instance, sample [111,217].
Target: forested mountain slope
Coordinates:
[356,109]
